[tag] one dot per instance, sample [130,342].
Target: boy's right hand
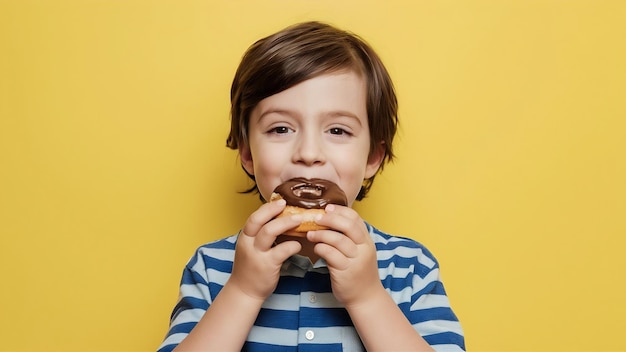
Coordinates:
[258,260]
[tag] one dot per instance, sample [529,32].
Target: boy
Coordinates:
[316,102]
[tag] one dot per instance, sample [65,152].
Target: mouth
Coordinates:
[311,193]
[308,179]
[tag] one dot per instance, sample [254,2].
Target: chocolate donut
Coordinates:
[308,197]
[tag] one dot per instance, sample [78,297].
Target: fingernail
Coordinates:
[330,207]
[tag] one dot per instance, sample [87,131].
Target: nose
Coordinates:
[309,150]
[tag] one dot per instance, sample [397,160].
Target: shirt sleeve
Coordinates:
[430,312]
[193,301]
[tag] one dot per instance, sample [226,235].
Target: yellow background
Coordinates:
[510,165]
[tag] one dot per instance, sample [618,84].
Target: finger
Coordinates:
[347,221]
[333,257]
[341,242]
[261,216]
[284,250]
[270,231]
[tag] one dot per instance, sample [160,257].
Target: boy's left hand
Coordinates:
[350,254]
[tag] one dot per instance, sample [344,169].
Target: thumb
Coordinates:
[284,250]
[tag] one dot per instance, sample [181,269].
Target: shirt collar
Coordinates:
[299,265]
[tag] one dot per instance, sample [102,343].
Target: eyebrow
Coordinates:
[275,111]
[332,113]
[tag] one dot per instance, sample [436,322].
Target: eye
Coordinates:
[338,131]
[279,130]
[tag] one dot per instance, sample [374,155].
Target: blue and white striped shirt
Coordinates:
[303,315]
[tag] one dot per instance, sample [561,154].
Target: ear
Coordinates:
[374,160]
[246,159]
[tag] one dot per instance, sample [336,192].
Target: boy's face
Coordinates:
[317,128]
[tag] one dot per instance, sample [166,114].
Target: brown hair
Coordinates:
[304,51]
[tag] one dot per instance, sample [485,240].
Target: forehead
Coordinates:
[330,93]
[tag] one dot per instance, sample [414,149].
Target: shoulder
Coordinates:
[221,245]
[217,254]
[402,251]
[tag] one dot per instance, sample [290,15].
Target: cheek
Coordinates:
[268,159]
[352,174]
[267,169]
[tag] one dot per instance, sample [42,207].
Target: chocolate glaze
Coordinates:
[311,193]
